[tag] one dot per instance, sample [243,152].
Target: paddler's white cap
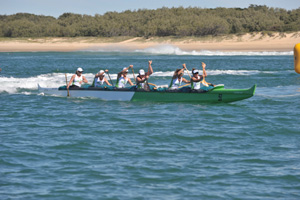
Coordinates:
[125,68]
[142,72]
[195,71]
[101,71]
[79,69]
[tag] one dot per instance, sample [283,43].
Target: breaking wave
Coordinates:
[174,50]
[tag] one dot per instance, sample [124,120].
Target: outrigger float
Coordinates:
[156,94]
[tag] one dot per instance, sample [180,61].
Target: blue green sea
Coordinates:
[84,148]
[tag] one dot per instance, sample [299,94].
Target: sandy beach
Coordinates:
[278,42]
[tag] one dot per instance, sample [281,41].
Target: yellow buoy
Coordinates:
[297,58]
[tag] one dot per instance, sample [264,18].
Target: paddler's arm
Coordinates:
[193,79]
[183,68]
[84,79]
[124,70]
[175,75]
[99,74]
[150,70]
[211,84]
[129,81]
[127,68]
[106,81]
[203,68]
[141,80]
[71,81]
[186,81]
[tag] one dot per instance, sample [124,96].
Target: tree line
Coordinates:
[192,21]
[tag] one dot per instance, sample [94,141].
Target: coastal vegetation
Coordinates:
[178,22]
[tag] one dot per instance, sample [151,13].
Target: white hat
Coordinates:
[142,72]
[101,71]
[125,68]
[79,69]
[195,71]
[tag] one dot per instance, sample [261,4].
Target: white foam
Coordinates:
[167,49]
[52,80]
[174,50]
[12,84]
[216,72]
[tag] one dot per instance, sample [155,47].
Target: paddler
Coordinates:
[198,81]
[100,79]
[122,78]
[177,78]
[77,79]
[142,78]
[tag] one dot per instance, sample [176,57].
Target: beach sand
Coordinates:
[279,42]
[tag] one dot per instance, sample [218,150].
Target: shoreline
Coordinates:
[257,42]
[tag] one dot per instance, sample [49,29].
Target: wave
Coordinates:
[174,50]
[225,72]
[273,92]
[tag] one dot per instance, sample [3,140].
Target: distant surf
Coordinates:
[174,50]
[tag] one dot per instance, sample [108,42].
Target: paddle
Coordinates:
[155,86]
[67,84]
[110,79]
[133,75]
[187,70]
[152,84]
[183,85]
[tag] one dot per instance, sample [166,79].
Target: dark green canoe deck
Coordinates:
[216,95]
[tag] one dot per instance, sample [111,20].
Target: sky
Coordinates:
[56,8]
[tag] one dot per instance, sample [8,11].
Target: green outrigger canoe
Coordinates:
[216,94]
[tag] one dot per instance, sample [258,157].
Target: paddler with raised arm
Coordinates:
[100,79]
[198,81]
[142,78]
[177,78]
[122,78]
[77,79]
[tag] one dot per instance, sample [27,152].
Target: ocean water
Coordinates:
[84,148]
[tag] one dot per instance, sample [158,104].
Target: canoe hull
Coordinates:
[101,94]
[218,94]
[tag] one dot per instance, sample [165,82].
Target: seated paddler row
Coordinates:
[196,82]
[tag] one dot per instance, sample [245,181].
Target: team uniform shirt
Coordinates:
[176,83]
[197,85]
[122,82]
[99,82]
[77,81]
[142,85]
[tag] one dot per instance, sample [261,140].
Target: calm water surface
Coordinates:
[83,148]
